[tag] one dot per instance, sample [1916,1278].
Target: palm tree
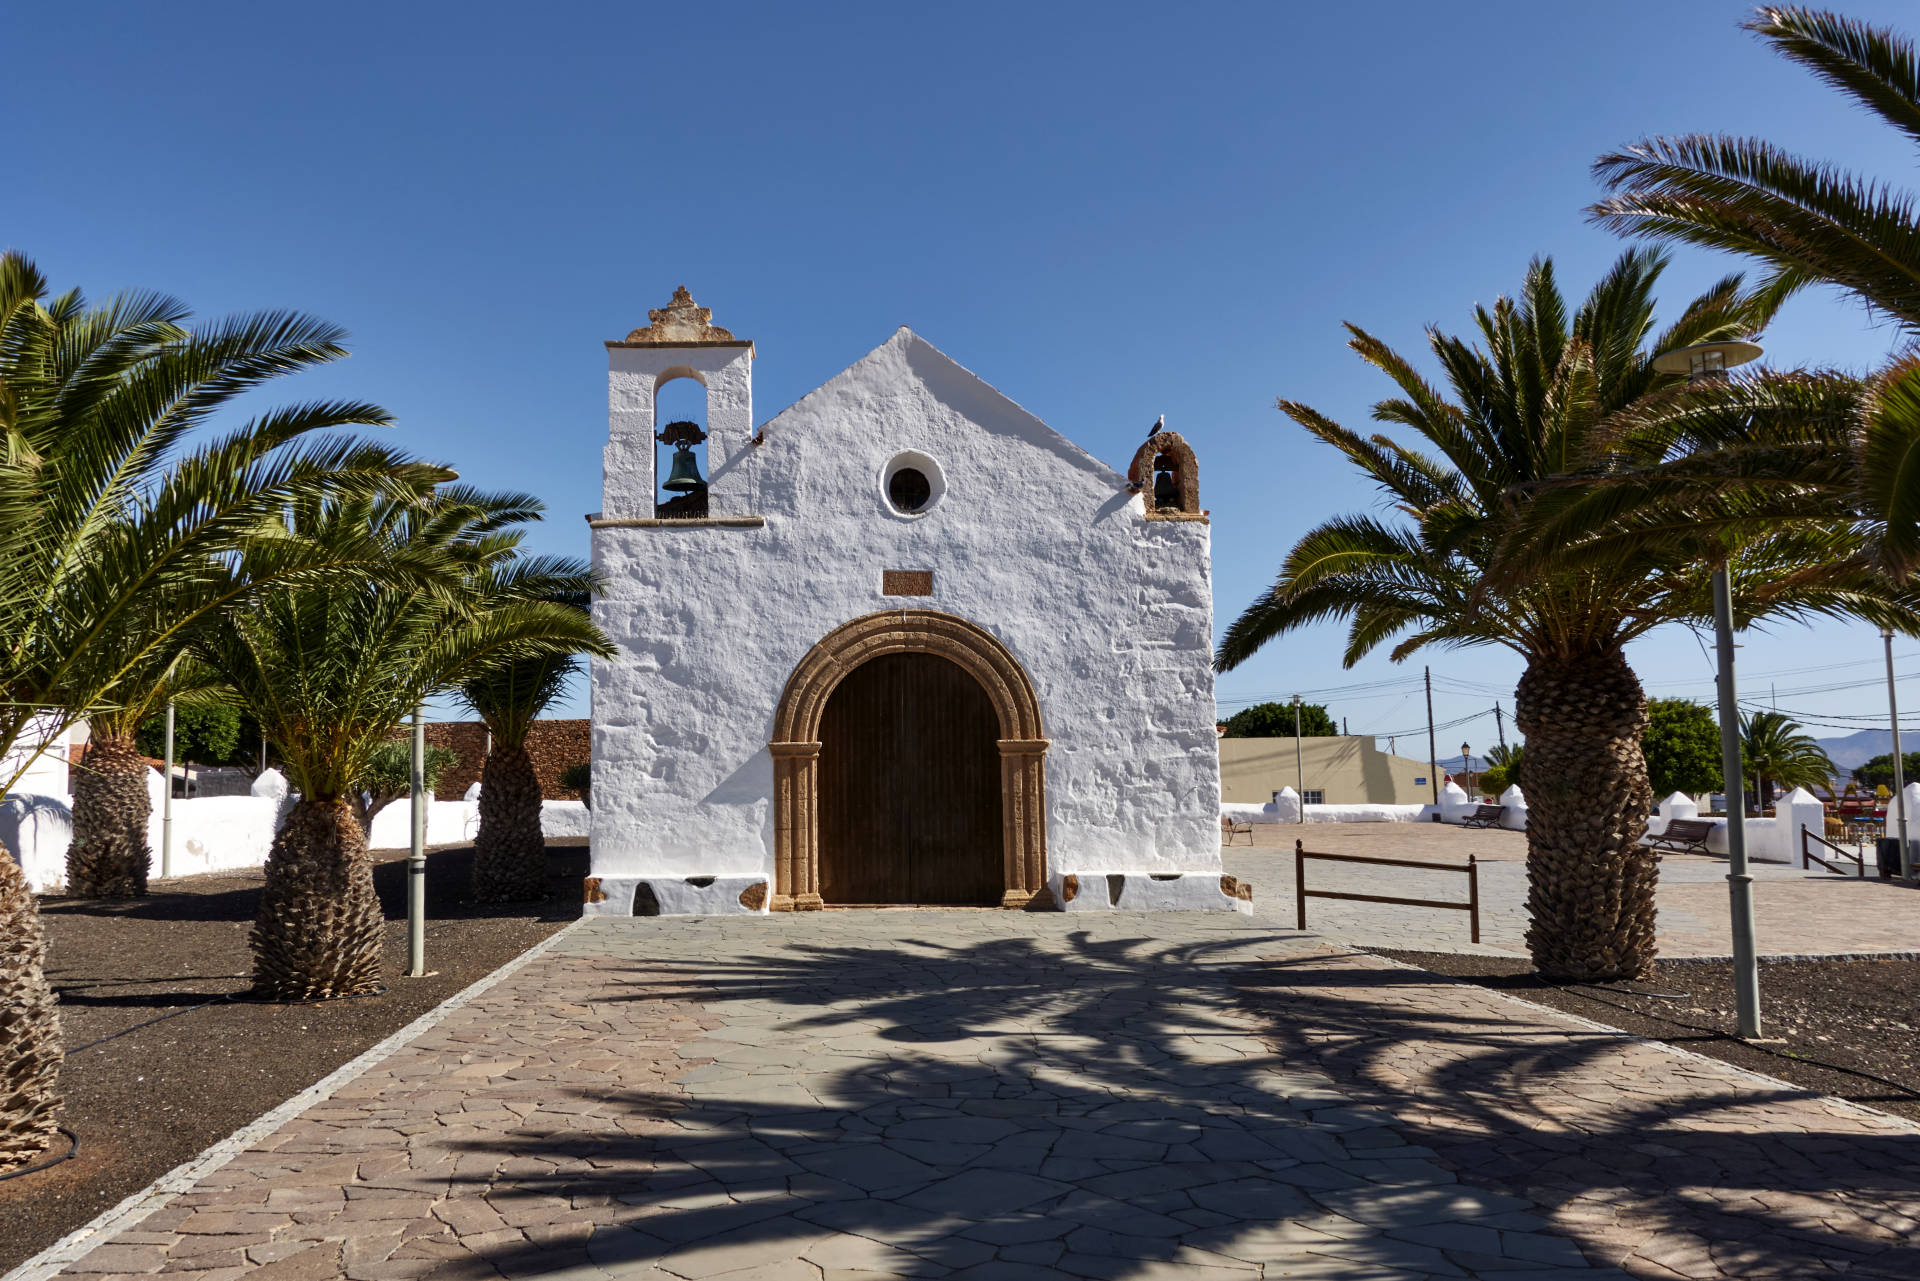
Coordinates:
[330,668]
[1776,750]
[510,854]
[117,539]
[108,856]
[1503,767]
[1811,223]
[1529,405]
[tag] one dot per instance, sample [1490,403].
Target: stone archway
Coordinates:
[796,745]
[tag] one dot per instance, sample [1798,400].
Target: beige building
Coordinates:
[1342,770]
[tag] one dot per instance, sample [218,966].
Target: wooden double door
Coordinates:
[910,804]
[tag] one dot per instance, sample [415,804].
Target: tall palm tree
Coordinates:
[108,856]
[510,854]
[330,668]
[1776,749]
[119,535]
[1528,405]
[1811,223]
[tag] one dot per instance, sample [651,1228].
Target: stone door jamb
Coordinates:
[796,746]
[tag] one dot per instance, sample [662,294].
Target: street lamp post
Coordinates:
[1299,766]
[1709,363]
[417,855]
[1466,767]
[1899,767]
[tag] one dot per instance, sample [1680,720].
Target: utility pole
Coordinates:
[166,803]
[1343,727]
[1299,768]
[417,855]
[1899,768]
[1433,754]
[1499,727]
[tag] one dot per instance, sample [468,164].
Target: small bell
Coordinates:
[1165,492]
[685,476]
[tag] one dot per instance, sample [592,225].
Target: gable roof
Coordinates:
[967,394]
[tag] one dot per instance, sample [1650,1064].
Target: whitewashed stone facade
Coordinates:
[1045,568]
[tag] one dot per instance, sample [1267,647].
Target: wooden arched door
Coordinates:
[910,786]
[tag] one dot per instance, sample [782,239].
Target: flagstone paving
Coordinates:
[983,1094]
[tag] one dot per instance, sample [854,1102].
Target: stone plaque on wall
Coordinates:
[906,582]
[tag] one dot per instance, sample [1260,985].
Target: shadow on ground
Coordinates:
[1070,1104]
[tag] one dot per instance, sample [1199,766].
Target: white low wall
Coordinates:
[1769,840]
[218,833]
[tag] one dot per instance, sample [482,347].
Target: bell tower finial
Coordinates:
[681,322]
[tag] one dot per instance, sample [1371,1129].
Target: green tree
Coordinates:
[1532,407]
[1275,720]
[331,668]
[206,734]
[510,853]
[388,776]
[1774,749]
[1682,748]
[1811,223]
[1503,768]
[119,535]
[1878,772]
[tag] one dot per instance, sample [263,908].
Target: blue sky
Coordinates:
[1109,211]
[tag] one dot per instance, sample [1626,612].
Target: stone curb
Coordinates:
[1785,958]
[77,1243]
[1759,1078]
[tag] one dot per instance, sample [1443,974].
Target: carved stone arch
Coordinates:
[796,745]
[1186,476]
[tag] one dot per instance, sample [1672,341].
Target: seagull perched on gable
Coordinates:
[1159,425]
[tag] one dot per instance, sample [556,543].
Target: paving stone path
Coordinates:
[998,1095]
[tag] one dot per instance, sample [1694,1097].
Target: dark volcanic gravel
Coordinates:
[145,1101]
[1838,1024]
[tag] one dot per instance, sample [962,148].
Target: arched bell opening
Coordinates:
[680,459]
[989,691]
[1164,471]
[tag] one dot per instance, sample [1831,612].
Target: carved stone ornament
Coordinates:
[681,321]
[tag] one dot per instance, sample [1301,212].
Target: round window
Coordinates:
[912,484]
[908,490]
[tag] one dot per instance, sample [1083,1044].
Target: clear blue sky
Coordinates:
[1109,211]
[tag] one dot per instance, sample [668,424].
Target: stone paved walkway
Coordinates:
[1795,912]
[1005,1095]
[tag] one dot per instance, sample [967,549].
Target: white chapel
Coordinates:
[902,643]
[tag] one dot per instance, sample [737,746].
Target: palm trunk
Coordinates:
[108,857]
[318,932]
[29,1025]
[510,855]
[1590,883]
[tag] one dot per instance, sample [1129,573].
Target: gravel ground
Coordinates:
[154,1096]
[1837,1024]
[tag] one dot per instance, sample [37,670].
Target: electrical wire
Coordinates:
[73,1146]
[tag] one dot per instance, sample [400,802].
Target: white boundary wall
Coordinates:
[219,833]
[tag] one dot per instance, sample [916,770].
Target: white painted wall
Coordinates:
[1033,540]
[219,833]
[47,773]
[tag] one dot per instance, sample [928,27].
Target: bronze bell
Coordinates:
[1165,492]
[685,476]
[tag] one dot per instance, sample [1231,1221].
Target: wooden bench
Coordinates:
[1484,816]
[1684,835]
[1230,829]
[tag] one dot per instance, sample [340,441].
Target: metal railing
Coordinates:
[1301,893]
[1807,837]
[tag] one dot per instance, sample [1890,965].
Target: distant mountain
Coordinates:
[1853,750]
